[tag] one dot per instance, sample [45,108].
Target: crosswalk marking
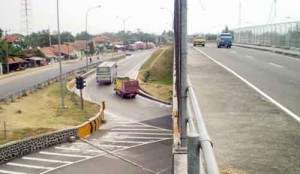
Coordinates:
[11,172]
[140,133]
[76,149]
[119,129]
[64,154]
[46,160]
[30,166]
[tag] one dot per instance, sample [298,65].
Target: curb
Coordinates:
[295,55]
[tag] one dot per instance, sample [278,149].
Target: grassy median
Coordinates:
[40,112]
[155,75]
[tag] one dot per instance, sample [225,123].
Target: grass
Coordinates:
[40,112]
[155,75]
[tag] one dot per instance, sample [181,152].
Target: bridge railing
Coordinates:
[200,154]
[282,35]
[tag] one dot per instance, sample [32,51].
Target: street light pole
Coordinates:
[86,30]
[59,59]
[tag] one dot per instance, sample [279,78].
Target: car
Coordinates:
[199,39]
[224,40]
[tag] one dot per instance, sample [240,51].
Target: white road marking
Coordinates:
[30,166]
[63,154]
[140,133]
[276,65]
[286,110]
[10,172]
[76,149]
[250,57]
[136,125]
[111,145]
[46,160]
[120,141]
[150,138]
[120,129]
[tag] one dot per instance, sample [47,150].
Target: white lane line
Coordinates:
[114,151]
[250,57]
[286,110]
[30,166]
[46,160]
[111,145]
[276,65]
[120,129]
[63,154]
[11,172]
[129,137]
[120,141]
[139,133]
[137,125]
[76,149]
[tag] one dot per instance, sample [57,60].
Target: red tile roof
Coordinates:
[80,45]
[12,38]
[64,49]
[12,60]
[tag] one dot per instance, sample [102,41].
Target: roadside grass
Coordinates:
[40,112]
[156,74]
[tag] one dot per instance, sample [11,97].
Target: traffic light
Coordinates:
[80,82]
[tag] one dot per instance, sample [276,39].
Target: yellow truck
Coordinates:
[126,87]
[199,39]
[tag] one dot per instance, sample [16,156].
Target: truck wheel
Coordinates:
[203,45]
[219,46]
[133,96]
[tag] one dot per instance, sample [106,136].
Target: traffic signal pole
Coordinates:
[80,85]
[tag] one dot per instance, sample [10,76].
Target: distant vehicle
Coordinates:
[126,87]
[106,72]
[199,39]
[224,40]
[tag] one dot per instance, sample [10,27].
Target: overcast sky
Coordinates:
[145,15]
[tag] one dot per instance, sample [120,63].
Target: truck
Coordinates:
[126,87]
[224,40]
[199,39]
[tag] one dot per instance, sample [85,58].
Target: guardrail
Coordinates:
[200,154]
[23,92]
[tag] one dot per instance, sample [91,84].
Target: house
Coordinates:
[16,64]
[67,50]
[49,55]
[100,42]
[36,61]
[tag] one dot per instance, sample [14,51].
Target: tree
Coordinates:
[91,48]
[83,35]
[1,33]
[67,37]
[8,50]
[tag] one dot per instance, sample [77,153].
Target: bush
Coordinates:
[147,75]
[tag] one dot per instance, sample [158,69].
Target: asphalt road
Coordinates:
[136,138]
[276,75]
[249,132]
[23,81]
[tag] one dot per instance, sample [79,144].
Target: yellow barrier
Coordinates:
[92,125]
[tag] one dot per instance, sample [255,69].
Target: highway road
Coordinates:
[249,132]
[136,139]
[23,80]
[276,75]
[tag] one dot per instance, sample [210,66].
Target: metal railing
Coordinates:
[200,154]
[282,35]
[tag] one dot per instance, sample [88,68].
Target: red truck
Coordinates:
[126,87]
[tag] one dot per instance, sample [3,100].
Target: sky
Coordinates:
[151,16]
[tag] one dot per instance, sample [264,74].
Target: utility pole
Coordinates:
[59,58]
[6,55]
[240,19]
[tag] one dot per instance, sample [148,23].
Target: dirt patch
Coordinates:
[41,112]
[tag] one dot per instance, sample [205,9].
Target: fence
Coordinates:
[201,157]
[281,35]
